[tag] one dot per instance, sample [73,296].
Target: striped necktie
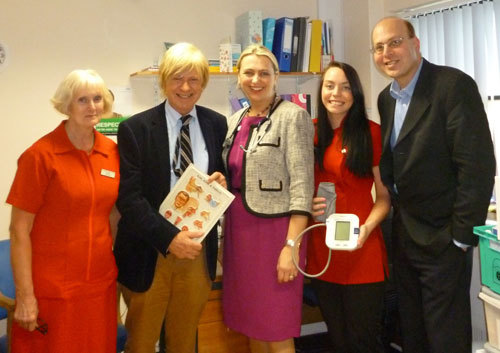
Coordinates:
[183,150]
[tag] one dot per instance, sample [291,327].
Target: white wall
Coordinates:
[352,22]
[48,39]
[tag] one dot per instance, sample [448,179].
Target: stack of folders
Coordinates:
[299,44]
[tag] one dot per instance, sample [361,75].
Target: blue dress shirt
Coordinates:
[198,146]
[403,100]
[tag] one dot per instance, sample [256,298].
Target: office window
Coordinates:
[467,37]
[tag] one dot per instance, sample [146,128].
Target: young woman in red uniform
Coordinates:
[347,151]
[63,194]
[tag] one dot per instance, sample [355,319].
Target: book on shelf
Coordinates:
[315,50]
[307,48]
[302,29]
[268,25]
[326,46]
[295,46]
[249,28]
[235,104]
[194,204]
[303,100]
[282,43]
[245,103]
[299,42]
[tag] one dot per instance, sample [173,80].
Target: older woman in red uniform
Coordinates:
[61,243]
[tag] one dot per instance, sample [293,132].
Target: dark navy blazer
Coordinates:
[144,184]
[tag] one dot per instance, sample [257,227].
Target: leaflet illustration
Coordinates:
[194,204]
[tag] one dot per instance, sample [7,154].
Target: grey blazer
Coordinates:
[278,176]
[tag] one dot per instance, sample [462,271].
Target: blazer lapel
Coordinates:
[208,135]
[159,134]
[387,118]
[418,105]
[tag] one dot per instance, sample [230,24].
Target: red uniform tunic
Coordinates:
[71,194]
[365,265]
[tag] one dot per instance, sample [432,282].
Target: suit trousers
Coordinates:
[177,296]
[353,315]
[433,295]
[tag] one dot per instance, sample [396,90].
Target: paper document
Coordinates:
[195,205]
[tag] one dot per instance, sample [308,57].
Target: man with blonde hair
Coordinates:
[165,273]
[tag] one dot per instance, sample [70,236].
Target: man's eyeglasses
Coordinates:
[393,43]
[42,327]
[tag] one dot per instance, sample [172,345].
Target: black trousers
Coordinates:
[353,315]
[433,296]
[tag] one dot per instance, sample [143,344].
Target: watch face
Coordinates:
[3,56]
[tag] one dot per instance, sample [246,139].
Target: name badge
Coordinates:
[108,173]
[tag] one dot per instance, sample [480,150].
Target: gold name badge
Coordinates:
[108,173]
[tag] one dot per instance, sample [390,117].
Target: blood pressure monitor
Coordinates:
[342,231]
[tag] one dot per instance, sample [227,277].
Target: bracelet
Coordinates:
[290,243]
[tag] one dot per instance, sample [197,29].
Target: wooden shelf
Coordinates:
[148,72]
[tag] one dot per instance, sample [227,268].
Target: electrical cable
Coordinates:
[297,241]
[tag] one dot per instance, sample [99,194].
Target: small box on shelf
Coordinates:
[229,53]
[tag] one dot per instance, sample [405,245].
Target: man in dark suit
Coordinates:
[165,274]
[438,163]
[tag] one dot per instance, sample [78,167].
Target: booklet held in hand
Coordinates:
[194,204]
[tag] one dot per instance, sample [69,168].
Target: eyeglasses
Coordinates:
[42,327]
[393,43]
[181,80]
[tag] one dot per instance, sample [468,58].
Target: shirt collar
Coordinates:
[407,92]
[63,144]
[173,115]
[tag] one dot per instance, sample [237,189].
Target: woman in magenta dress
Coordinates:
[269,162]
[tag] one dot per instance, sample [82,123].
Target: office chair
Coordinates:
[7,292]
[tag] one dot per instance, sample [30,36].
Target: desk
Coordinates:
[213,335]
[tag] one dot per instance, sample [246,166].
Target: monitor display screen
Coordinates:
[342,229]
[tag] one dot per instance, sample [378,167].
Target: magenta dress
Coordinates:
[254,303]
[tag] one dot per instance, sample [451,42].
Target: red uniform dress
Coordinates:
[71,194]
[365,265]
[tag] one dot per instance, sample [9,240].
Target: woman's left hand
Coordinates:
[219,178]
[286,270]
[363,235]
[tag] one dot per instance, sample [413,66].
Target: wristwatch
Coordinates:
[290,243]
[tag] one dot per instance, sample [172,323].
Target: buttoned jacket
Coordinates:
[442,164]
[278,167]
[145,182]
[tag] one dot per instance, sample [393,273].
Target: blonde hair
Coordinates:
[183,57]
[74,82]
[257,49]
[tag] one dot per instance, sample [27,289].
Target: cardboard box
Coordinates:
[249,28]
[228,56]
[492,314]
